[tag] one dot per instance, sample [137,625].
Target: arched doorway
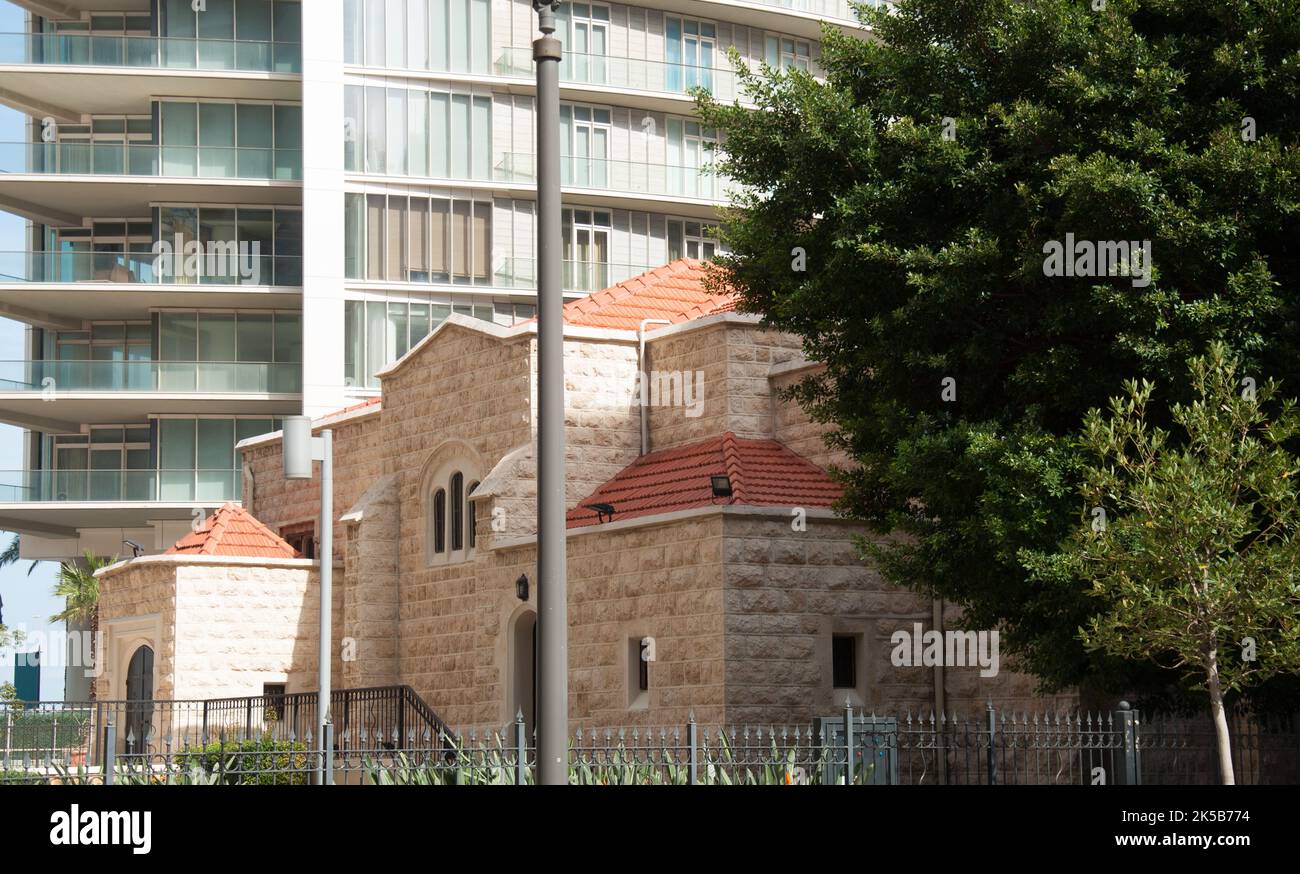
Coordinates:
[139,688]
[523,669]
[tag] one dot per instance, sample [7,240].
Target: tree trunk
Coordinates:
[1226,775]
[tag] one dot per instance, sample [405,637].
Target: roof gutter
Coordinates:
[643,380]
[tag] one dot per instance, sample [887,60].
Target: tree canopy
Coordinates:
[921,183]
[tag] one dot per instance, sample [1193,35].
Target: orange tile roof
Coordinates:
[233,531]
[674,292]
[763,473]
[361,406]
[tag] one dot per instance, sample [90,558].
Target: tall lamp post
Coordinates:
[552,584]
[299,450]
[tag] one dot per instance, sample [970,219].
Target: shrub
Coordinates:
[264,761]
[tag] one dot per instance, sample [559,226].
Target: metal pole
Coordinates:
[326,595]
[993,738]
[552,585]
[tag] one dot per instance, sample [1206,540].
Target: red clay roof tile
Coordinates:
[763,473]
[674,292]
[233,531]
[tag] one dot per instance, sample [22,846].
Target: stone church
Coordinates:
[708,571]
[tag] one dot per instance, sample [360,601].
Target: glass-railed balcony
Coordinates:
[123,266]
[841,9]
[578,275]
[49,378]
[118,486]
[631,177]
[169,53]
[144,159]
[633,74]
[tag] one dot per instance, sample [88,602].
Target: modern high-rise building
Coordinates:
[244,209]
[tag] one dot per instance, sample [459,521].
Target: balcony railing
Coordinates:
[123,266]
[145,159]
[171,53]
[118,486]
[841,9]
[633,74]
[578,275]
[633,177]
[49,378]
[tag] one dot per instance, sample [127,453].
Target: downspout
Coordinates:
[643,380]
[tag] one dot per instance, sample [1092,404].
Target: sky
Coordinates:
[27,599]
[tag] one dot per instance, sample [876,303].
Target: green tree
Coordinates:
[9,555]
[77,586]
[1191,544]
[918,188]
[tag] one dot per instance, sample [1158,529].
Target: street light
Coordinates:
[552,584]
[300,449]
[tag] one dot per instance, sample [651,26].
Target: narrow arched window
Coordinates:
[471,531]
[440,521]
[457,511]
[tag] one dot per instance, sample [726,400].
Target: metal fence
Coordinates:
[389,736]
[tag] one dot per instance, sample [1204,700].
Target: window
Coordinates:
[273,699]
[639,655]
[301,537]
[844,661]
[439,517]
[692,239]
[220,22]
[112,463]
[586,249]
[450,533]
[457,511]
[783,53]
[690,147]
[396,238]
[378,332]
[264,245]
[232,140]
[245,351]
[690,46]
[584,146]
[441,35]
[197,460]
[584,30]
[401,132]
[114,250]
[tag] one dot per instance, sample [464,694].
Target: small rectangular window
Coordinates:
[273,696]
[844,661]
[640,652]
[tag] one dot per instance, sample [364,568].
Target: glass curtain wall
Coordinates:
[445,36]
[231,140]
[404,132]
[396,238]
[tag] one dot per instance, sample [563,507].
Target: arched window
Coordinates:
[440,521]
[457,511]
[472,519]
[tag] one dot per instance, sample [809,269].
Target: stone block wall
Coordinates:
[137,590]
[793,427]
[239,626]
[790,592]
[735,358]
